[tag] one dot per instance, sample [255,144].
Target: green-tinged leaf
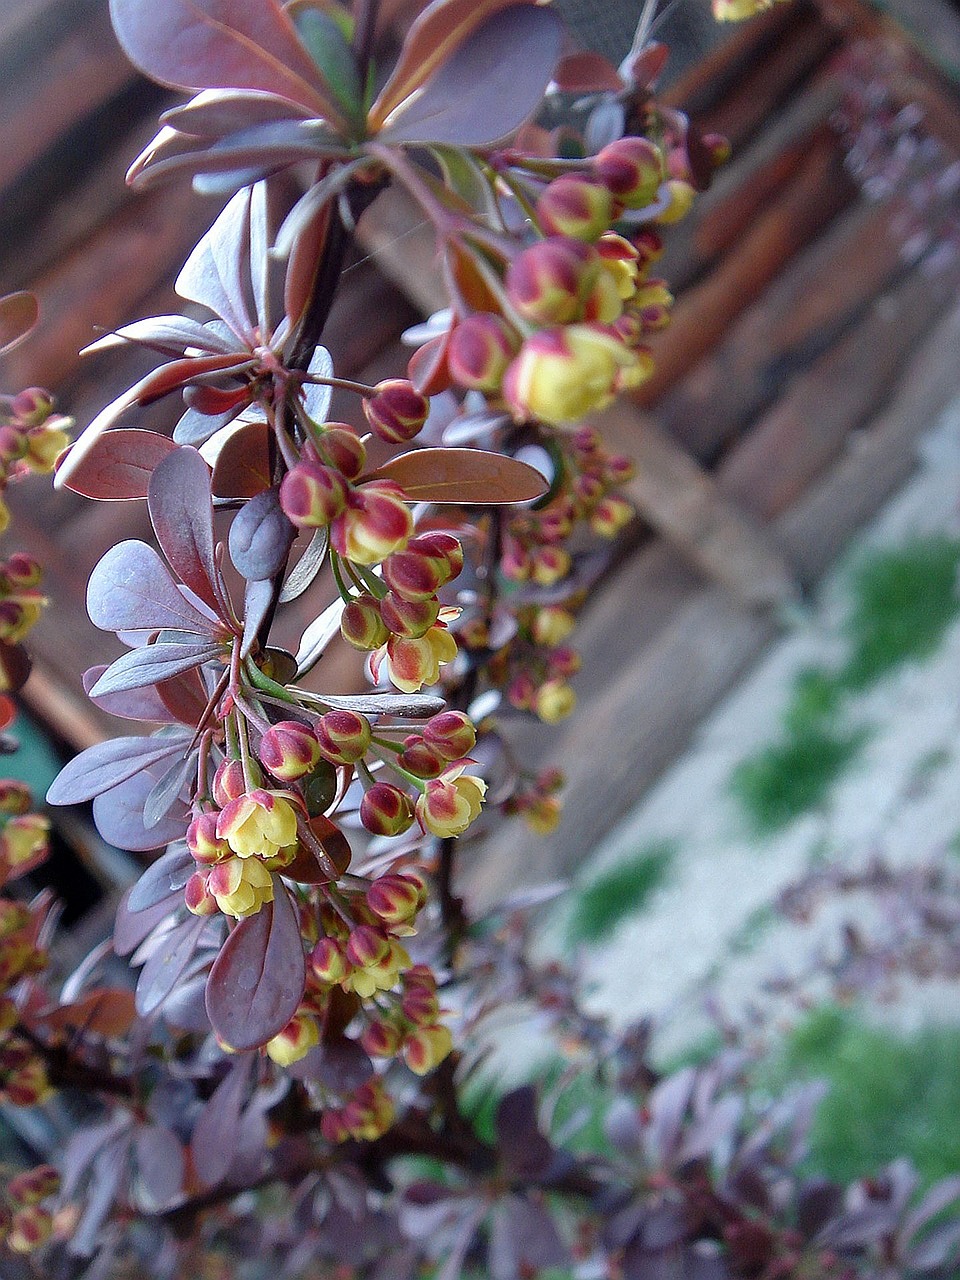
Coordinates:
[436,34]
[464,174]
[18,315]
[488,87]
[466,477]
[307,567]
[324,40]
[118,465]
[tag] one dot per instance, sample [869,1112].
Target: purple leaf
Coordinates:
[257,603]
[221,44]
[130,704]
[939,1247]
[261,537]
[161,879]
[258,978]
[216,272]
[152,664]
[106,764]
[18,315]
[168,790]
[214,113]
[170,335]
[492,83]
[131,928]
[118,465]
[304,572]
[667,1106]
[523,1238]
[181,511]
[131,589]
[166,964]
[940,1196]
[118,815]
[109,1171]
[217,1132]
[160,1166]
[525,1152]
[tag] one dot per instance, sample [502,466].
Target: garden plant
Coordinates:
[279,1090]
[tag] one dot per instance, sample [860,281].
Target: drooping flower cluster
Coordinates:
[26,1222]
[32,437]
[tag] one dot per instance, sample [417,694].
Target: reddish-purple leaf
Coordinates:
[190,371]
[258,978]
[167,963]
[242,466]
[185,697]
[644,69]
[586,72]
[221,44]
[131,704]
[433,37]
[168,874]
[306,869]
[217,1132]
[131,589]
[160,1166]
[118,466]
[170,335]
[118,815]
[18,314]
[525,1151]
[106,764]
[489,86]
[152,664]
[463,476]
[257,604]
[181,512]
[104,1011]
[132,927]
[261,537]
[214,113]
[15,665]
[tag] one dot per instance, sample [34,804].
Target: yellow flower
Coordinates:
[259,823]
[241,886]
[295,1041]
[450,803]
[413,662]
[561,375]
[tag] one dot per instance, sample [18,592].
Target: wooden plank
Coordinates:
[683,504]
[805,430]
[703,314]
[745,185]
[814,300]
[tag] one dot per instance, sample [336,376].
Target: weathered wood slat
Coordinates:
[683,504]
[703,313]
[804,431]
[809,305]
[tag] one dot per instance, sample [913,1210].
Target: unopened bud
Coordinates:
[573,205]
[549,281]
[343,736]
[289,750]
[451,733]
[312,496]
[480,349]
[397,411]
[385,810]
[631,169]
[341,448]
[361,624]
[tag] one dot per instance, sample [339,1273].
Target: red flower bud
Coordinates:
[394,898]
[411,618]
[361,624]
[385,810]
[631,169]
[21,570]
[574,205]
[343,736]
[197,895]
[312,496]
[451,733]
[289,750]
[366,946]
[229,782]
[420,758]
[203,842]
[376,522]
[381,1039]
[549,281]
[341,448]
[328,962]
[33,406]
[480,349]
[397,411]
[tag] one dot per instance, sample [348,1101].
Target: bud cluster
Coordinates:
[367,519]
[538,803]
[20,602]
[32,437]
[25,1222]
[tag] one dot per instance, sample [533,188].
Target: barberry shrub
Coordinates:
[305,968]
